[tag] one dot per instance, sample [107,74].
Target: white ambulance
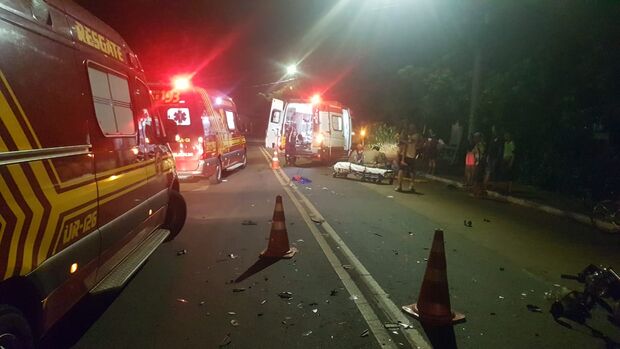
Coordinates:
[323,128]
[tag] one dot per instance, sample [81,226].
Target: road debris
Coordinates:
[260,314]
[486,220]
[315,310]
[224,180]
[232,256]
[324,188]
[201,303]
[307,333]
[263,301]
[378,234]
[333,292]
[390,196]
[285,295]
[353,297]
[391,326]
[182,300]
[395,252]
[181,252]
[238,289]
[300,240]
[467,223]
[234,322]
[365,333]
[493,314]
[501,269]
[301,180]
[316,219]
[534,308]
[500,297]
[346,266]
[410,233]
[226,341]
[248,222]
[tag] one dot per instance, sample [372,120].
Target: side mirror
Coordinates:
[172,130]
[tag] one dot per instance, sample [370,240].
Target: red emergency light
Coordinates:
[181,83]
[316,99]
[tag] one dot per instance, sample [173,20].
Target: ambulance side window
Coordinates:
[336,122]
[112,103]
[230,119]
[145,115]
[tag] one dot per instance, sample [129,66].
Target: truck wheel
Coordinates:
[217,176]
[15,331]
[176,214]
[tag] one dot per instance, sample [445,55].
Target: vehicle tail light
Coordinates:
[319,138]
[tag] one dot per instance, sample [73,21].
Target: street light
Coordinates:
[291,69]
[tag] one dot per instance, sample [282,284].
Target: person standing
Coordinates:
[479,152]
[403,167]
[357,156]
[411,153]
[290,151]
[508,161]
[431,148]
[493,158]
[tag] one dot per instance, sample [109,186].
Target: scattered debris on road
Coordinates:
[395,252]
[233,256]
[315,310]
[285,295]
[501,269]
[379,235]
[226,341]
[232,313]
[263,301]
[234,322]
[467,223]
[238,289]
[202,303]
[301,180]
[182,300]
[333,292]
[353,297]
[181,252]
[390,196]
[391,326]
[534,308]
[248,222]
[365,333]
[410,233]
[307,333]
[486,220]
[346,266]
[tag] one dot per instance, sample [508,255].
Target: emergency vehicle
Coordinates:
[323,128]
[88,188]
[208,139]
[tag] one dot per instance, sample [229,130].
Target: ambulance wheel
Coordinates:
[217,176]
[176,214]
[15,331]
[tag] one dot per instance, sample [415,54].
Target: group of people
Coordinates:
[493,162]
[413,147]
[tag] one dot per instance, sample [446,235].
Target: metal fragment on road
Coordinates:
[315,311]
[234,322]
[263,301]
[226,341]
[353,297]
[346,266]
[307,333]
[182,300]
[316,220]
[523,294]
[390,197]
[410,233]
[181,252]
[201,303]
[500,297]
[300,240]
[365,333]
[232,313]
[285,295]
[378,234]
[239,289]
[233,256]
[534,308]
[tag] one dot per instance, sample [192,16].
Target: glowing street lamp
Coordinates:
[363,134]
[291,70]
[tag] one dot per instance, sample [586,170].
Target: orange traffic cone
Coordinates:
[275,161]
[278,246]
[433,306]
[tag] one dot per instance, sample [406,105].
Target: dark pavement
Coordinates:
[495,270]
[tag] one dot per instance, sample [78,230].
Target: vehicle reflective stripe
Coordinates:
[27,247]
[20,218]
[33,135]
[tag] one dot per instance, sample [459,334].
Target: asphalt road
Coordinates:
[352,272]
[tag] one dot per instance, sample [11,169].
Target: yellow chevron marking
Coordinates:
[37,213]
[21,111]
[12,203]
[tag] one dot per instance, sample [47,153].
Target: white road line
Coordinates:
[415,338]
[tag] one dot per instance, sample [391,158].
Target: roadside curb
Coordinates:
[578,217]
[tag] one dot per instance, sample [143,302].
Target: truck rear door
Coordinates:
[347,128]
[274,127]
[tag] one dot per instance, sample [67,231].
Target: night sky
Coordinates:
[347,49]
